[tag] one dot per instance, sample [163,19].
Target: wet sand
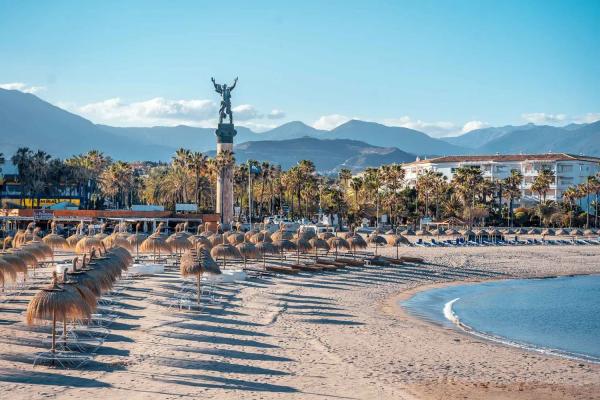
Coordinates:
[309,336]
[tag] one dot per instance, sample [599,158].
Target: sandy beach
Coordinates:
[310,336]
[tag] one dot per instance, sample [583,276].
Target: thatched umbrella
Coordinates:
[396,241]
[86,244]
[357,242]
[56,303]
[561,232]
[225,251]
[236,238]
[346,235]
[548,232]
[576,232]
[101,235]
[281,234]
[247,250]
[198,264]
[534,231]
[178,242]
[377,240]
[284,245]
[136,239]
[215,239]
[16,262]
[302,245]
[261,237]
[589,232]
[467,233]
[54,240]
[317,243]
[155,243]
[76,237]
[265,248]
[325,235]
[451,232]
[248,235]
[307,234]
[338,243]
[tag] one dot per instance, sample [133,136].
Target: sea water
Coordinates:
[554,315]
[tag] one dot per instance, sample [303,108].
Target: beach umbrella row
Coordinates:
[76,296]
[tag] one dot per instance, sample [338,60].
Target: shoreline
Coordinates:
[460,327]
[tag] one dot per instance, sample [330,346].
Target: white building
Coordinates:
[568,169]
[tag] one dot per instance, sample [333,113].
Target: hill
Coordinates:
[409,140]
[329,155]
[27,121]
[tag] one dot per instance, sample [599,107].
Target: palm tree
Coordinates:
[466,181]
[541,183]
[569,196]
[196,162]
[512,189]
[22,160]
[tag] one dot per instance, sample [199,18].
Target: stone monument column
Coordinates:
[225,134]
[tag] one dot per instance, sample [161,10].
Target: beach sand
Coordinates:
[337,335]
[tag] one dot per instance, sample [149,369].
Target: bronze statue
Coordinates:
[225,92]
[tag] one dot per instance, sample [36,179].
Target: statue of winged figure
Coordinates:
[225,92]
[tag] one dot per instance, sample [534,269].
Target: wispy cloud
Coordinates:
[544,118]
[22,87]
[437,128]
[166,112]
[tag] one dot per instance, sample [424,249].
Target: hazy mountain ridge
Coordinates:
[28,121]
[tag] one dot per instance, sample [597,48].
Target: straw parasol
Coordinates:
[225,251]
[86,244]
[467,233]
[236,238]
[284,245]
[325,235]
[576,232]
[54,240]
[396,241]
[318,243]
[192,264]
[589,232]
[338,243]
[548,232]
[248,235]
[56,303]
[357,242]
[377,240]
[247,250]
[451,232]
[155,243]
[77,236]
[265,248]
[280,234]
[137,238]
[302,245]
[533,231]
[101,235]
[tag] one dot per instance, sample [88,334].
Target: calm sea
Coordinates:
[554,315]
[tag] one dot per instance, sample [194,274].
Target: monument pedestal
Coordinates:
[225,134]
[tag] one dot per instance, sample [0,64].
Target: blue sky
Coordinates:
[431,65]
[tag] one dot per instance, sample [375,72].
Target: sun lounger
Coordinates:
[64,359]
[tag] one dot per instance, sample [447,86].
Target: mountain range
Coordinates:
[28,121]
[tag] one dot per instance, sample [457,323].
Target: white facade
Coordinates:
[569,170]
